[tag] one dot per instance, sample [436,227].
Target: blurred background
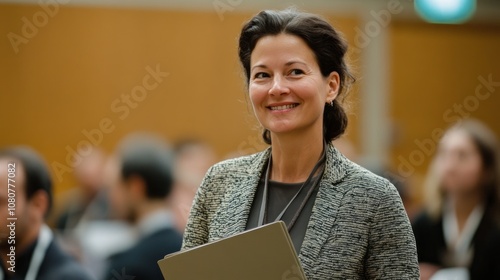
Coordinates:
[81,73]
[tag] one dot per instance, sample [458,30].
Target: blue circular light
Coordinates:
[445,11]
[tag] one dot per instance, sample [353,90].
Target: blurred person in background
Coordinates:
[144,180]
[98,234]
[458,234]
[87,201]
[193,158]
[37,254]
[85,226]
[347,148]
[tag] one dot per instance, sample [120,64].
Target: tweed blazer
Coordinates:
[358,227]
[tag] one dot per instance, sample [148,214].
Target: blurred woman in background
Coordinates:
[458,235]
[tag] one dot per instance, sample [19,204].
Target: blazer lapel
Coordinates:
[240,197]
[324,211]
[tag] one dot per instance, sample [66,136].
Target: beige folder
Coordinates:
[262,253]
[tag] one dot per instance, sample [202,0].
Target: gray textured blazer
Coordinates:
[358,227]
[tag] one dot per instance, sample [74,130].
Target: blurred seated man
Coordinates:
[145,180]
[37,254]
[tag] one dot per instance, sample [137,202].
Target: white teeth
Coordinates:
[284,107]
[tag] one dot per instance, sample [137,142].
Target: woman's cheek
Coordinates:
[257,95]
[473,175]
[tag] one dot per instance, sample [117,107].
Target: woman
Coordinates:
[345,222]
[460,228]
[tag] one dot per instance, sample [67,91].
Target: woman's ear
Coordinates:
[333,86]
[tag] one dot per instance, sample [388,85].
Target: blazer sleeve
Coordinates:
[196,232]
[392,252]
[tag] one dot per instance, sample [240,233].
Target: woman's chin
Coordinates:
[281,131]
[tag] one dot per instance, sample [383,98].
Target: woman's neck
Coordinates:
[463,205]
[294,157]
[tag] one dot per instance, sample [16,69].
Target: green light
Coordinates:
[445,11]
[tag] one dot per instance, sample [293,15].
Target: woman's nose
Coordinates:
[279,86]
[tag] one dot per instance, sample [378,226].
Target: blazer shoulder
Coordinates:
[361,179]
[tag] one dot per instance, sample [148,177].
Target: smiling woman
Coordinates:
[322,52]
[275,74]
[345,222]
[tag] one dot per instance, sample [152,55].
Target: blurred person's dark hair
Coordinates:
[151,159]
[487,145]
[37,176]
[144,179]
[327,44]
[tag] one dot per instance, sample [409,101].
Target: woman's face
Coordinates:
[459,163]
[286,87]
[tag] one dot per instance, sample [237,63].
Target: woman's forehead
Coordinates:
[457,138]
[281,49]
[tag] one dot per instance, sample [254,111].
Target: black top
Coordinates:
[431,245]
[140,262]
[280,195]
[56,265]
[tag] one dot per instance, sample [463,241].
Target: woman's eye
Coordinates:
[261,75]
[296,72]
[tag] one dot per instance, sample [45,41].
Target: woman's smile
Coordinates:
[282,107]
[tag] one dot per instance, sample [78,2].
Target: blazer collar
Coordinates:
[241,193]
[336,165]
[325,208]
[241,196]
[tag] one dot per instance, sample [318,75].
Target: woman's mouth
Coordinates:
[283,107]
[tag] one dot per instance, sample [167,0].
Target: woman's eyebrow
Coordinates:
[259,66]
[295,62]
[286,64]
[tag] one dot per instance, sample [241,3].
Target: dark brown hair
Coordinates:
[36,173]
[327,44]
